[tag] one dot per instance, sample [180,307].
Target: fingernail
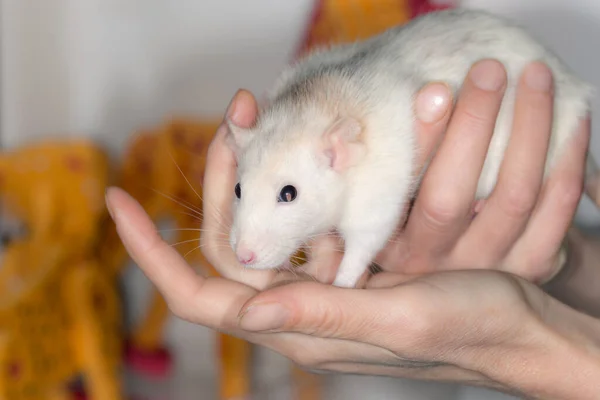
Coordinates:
[232,108]
[432,103]
[488,75]
[264,317]
[538,77]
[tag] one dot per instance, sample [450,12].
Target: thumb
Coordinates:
[371,316]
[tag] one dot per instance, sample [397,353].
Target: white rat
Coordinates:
[335,145]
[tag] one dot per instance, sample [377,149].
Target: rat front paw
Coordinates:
[345,281]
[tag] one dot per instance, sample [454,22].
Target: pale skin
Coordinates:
[421,318]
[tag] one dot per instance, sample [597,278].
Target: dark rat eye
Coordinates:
[238,191]
[287,194]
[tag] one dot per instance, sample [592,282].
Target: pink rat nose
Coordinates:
[245,256]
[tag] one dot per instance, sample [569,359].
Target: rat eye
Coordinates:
[287,194]
[238,191]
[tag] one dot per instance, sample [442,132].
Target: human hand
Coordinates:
[428,328]
[520,227]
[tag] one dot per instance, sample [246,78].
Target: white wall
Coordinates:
[104,68]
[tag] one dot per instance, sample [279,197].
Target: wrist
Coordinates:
[550,352]
[553,353]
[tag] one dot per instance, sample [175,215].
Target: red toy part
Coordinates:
[421,7]
[155,364]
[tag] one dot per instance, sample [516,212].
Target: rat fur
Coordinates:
[338,126]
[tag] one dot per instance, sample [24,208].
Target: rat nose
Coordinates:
[245,256]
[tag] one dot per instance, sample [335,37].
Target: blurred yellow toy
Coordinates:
[343,21]
[59,317]
[56,189]
[163,170]
[59,310]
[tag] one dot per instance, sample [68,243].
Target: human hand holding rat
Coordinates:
[520,227]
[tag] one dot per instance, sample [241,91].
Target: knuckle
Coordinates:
[439,212]
[569,192]
[532,269]
[425,327]
[476,118]
[329,322]
[479,111]
[177,309]
[532,265]
[517,198]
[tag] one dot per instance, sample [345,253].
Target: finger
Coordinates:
[328,312]
[212,302]
[507,211]
[218,190]
[220,170]
[554,213]
[448,187]
[432,112]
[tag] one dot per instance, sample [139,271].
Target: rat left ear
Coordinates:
[238,137]
[343,147]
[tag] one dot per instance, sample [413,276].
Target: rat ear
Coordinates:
[238,137]
[343,147]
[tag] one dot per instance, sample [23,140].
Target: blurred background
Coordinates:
[94,92]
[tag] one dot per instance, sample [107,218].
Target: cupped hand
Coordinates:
[520,227]
[428,328]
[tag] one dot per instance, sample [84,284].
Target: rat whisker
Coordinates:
[184,177]
[192,230]
[183,242]
[222,220]
[194,217]
[334,249]
[318,235]
[200,220]
[179,202]
[191,251]
[222,217]
[214,246]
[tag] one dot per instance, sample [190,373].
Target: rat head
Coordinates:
[291,181]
